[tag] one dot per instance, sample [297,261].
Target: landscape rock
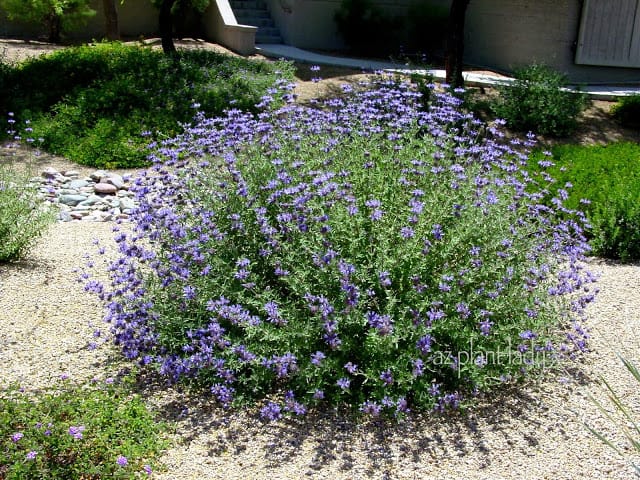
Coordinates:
[97,175]
[50,172]
[71,199]
[100,197]
[106,188]
[113,179]
[77,184]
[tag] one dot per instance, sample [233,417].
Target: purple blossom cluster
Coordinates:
[346,252]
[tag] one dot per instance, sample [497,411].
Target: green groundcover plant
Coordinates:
[23,217]
[76,431]
[93,103]
[360,252]
[604,181]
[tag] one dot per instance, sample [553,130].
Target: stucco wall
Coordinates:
[507,34]
[311,24]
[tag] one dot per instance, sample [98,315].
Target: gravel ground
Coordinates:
[47,322]
[535,432]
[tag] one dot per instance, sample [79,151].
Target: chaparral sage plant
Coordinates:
[358,252]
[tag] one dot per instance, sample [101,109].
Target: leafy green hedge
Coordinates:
[538,101]
[91,103]
[608,177]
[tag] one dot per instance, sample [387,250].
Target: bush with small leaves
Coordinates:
[92,103]
[362,252]
[23,217]
[627,111]
[539,101]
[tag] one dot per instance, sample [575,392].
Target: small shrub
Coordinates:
[426,28]
[538,101]
[91,103]
[627,111]
[23,218]
[365,253]
[605,183]
[57,16]
[76,432]
[365,28]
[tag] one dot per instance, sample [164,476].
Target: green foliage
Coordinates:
[365,28]
[627,111]
[426,27]
[623,417]
[423,83]
[538,101]
[92,103]
[56,15]
[78,432]
[23,218]
[608,177]
[182,5]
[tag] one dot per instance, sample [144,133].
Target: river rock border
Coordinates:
[100,197]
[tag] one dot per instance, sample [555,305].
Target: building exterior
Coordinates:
[588,40]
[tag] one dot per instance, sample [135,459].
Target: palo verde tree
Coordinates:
[168,11]
[56,15]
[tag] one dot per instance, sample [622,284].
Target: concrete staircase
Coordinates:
[255,13]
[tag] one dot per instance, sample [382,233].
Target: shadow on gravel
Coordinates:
[507,420]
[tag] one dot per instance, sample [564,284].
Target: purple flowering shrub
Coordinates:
[358,252]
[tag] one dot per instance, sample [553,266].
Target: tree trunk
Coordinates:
[111,19]
[55,28]
[455,43]
[166,27]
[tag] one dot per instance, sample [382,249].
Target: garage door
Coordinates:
[609,33]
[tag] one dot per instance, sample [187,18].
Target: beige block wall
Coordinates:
[507,34]
[310,23]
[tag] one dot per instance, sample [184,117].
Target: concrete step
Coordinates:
[255,13]
[256,22]
[252,12]
[268,39]
[247,5]
[269,31]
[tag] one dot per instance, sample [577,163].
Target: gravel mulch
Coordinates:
[534,432]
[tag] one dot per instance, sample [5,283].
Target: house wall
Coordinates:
[507,34]
[310,23]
